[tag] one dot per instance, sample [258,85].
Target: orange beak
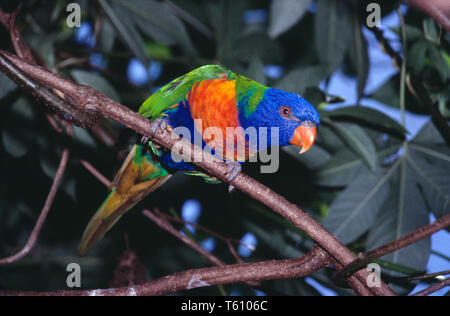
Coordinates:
[304,136]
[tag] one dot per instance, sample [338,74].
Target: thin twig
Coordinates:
[428,276]
[100,177]
[434,288]
[43,216]
[395,245]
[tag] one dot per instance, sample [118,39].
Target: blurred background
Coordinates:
[379,170]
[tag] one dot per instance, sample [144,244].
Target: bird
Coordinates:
[214,97]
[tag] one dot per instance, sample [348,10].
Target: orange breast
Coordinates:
[214,111]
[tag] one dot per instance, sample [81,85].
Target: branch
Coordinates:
[434,288]
[43,216]
[95,104]
[100,177]
[406,240]
[195,278]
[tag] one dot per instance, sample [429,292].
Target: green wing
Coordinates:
[175,92]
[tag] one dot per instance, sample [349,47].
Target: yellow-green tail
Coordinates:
[140,175]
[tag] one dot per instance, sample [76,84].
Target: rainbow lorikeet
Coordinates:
[219,99]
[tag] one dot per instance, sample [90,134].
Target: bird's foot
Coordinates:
[157,124]
[161,124]
[233,170]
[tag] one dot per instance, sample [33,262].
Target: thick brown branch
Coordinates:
[43,94]
[43,216]
[395,245]
[88,98]
[190,279]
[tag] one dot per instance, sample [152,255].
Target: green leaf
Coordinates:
[359,55]
[344,167]
[358,140]
[107,36]
[404,211]
[429,156]
[96,81]
[298,80]
[333,25]
[82,135]
[6,85]
[315,158]
[158,22]
[16,139]
[319,98]
[49,166]
[433,170]
[353,212]
[256,71]
[286,13]
[430,30]
[438,62]
[369,115]
[388,94]
[274,240]
[124,25]
[417,56]
[255,44]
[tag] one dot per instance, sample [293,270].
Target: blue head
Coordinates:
[295,117]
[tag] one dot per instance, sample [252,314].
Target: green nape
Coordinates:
[249,94]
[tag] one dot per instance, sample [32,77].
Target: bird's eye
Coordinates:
[285,111]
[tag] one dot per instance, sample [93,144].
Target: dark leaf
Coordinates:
[256,71]
[158,22]
[96,81]
[360,55]
[369,115]
[6,85]
[430,30]
[404,211]
[286,13]
[417,56]
[301,78]
[333,25]
[358,141]
[353,212]
[344,167]
[16,139]
[125,26]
